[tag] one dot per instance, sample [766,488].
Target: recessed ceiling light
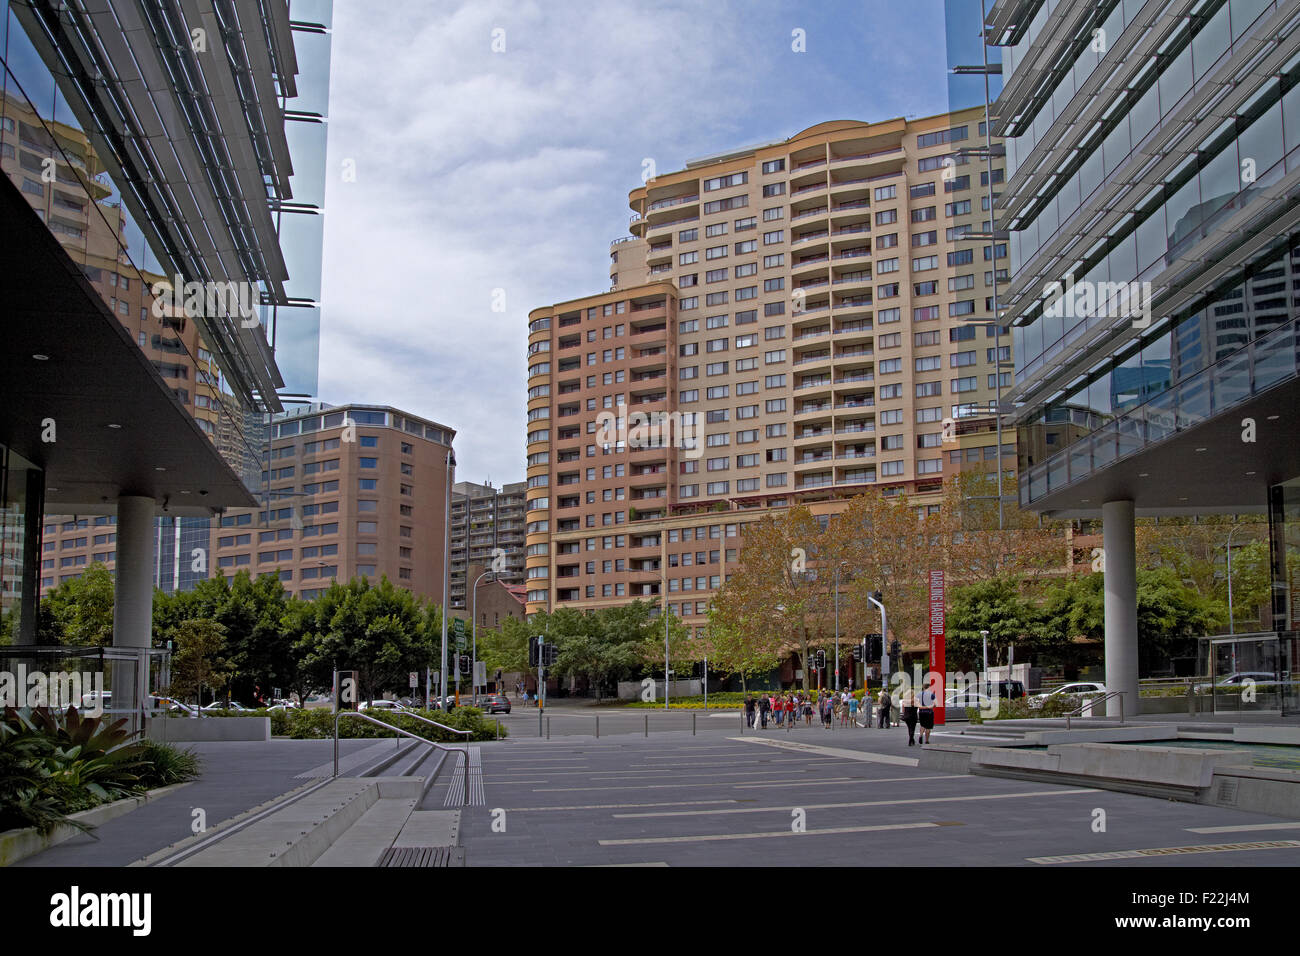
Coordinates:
[159,468]
[114,425]
[184,492]
[1249,473]
[40,357]
[1144,474]
[1184,498]
[1200,449]
[1273,418]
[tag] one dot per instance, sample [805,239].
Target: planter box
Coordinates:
[174,730]
[16,845]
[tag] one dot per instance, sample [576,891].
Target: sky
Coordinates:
[468,185]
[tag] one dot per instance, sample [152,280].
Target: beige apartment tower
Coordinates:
[812,318]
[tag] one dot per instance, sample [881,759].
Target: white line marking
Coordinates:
[833,752]
[1167,851]
[618,806]
[768,834]
[871,780]
[861,803]
[670,786]
[1244,827]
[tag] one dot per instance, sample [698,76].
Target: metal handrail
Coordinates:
[1119,694]
[453,730]
[405,733]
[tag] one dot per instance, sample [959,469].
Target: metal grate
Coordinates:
[1227,795]
[423,856]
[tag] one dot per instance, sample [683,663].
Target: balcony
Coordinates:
[670,202]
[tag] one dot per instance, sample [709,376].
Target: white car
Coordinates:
[1077,689]
[956,700]
[389,705]
[1238,680]
[173,705]
[219,705]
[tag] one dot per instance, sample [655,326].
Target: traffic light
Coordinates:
[549,654]
[874,647]
[532,651]
[464,665]
[821,660]
[895,648]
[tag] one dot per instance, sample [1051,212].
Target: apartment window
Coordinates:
[715,275]
[890,391]
[887,291]
[960,208]
[693,302]
[893,340]
[968,384]
[749,245]
[925,313]
[770,215]
[922,190]
[745,341]
[893,416]
[964,333]
[771,238]
[774,405]
[927,415]
[715,229]
[962,257]
[960,283]
[773,285]
[714,252]
[924,214]
[747,269]
[774,357]
[925,238]
[771,262]
[716,298]
[887,265]
[886,216]
[723,182]
[925,288]
[774,166]
[928,363]
[924,263]
[886,192]
[688,235]
[887,241]
[744,224]
[885,316]
[774,381]
[684,328]
[717,391]
[773,189]
[928,389]
[963,359]
[888,366]
[962,307]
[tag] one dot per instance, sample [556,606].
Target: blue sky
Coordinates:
[478,171]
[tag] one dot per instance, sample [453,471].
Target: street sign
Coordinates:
[458,628]
[415,680]
[937,662]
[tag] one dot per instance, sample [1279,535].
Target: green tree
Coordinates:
[997,606]
[79,611]
[199,659]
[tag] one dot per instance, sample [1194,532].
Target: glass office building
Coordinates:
[159,280]
[1153,169]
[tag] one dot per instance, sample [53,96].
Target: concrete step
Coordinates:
[298,833]
[369,837]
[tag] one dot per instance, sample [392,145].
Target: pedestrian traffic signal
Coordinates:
[464,665]
[857,653]
[821,660]
[549,654]
[874,645]
[895,648]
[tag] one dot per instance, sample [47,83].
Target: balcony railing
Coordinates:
[668,203]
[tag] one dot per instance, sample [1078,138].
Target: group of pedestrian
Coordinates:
[842,708]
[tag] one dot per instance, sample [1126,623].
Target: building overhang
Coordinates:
[1206,469]
[59,412]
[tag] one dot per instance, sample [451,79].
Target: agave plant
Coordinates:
[52,764]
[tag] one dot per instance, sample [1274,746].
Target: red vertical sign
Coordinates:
[936,643]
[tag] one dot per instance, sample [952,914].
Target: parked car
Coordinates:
[1010,689]
[1077,689]
[172,705]
[389,705]
[283,703]
[496,704]
[954,699]
[222,705]
[1231,682]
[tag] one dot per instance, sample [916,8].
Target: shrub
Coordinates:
[166,765]
[318,724]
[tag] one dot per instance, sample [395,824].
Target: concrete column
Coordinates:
[132,596]
[1121,604]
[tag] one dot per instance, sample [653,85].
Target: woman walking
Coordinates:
[910,716]
[790,709]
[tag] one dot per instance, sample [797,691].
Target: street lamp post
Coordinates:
[446,573]
[474,635]
[1231,627]
[666,671]
[984,639]
[884,634]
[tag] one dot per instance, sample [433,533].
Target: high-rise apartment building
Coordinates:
[350,491]
[487,531]
[1153,159]
[808,319]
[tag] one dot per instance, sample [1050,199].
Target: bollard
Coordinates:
[647,725]
[498,728]
[692,723]
[548,728]
[598,726]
